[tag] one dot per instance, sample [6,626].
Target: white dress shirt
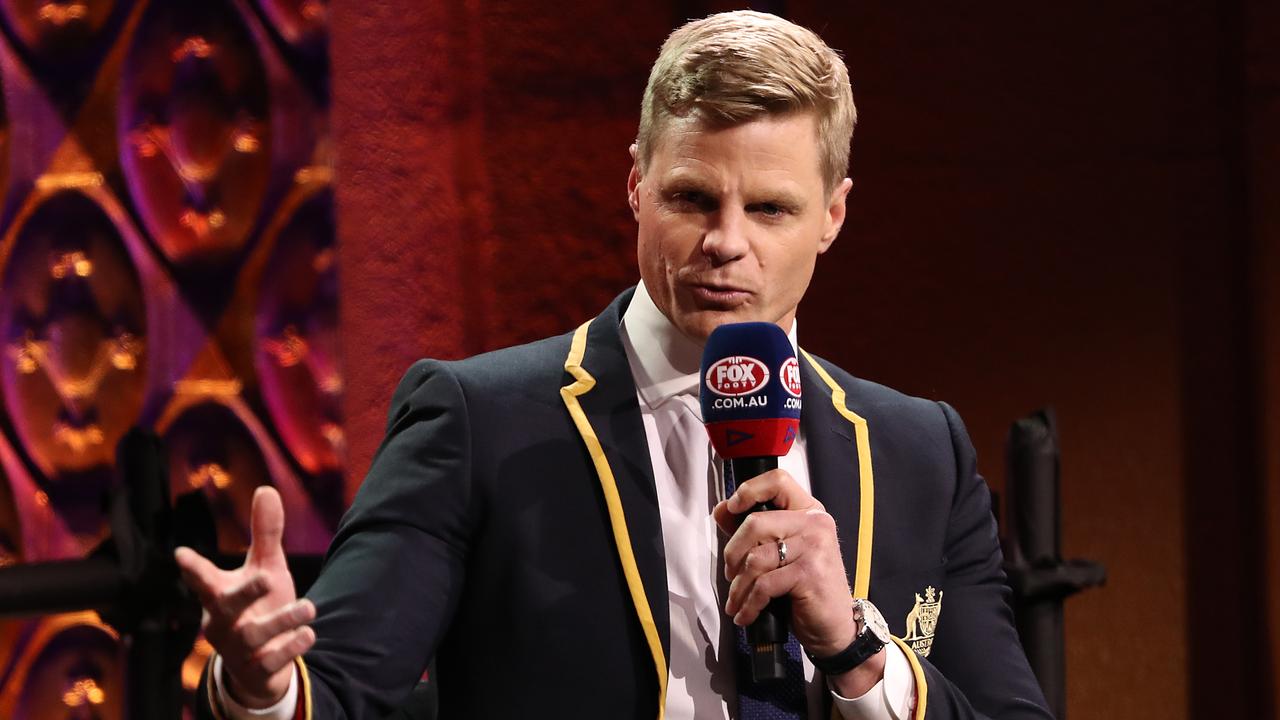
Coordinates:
[282,710]
[689,480]
[701,683]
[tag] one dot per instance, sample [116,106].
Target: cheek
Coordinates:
[667,241]
[651,257]
[793,269]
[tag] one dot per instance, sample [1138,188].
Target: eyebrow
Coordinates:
[686,183]
[781,198]
[683,182]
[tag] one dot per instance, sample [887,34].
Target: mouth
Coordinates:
[718,296]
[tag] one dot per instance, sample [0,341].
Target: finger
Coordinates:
[266,526]
[751,598]
[233,601]
[761,528]
[762,558]
[258,632]
[725,520]
[758,562]
[281,651]
[775,487]
[200,574]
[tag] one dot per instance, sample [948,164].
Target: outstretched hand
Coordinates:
[252,616]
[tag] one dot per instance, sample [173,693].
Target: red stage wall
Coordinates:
[1051,205]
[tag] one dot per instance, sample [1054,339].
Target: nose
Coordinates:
[725,239]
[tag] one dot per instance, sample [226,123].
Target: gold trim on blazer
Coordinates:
[306,686]
[866,481]
[583,384]
[866,518]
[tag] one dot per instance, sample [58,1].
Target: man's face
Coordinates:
[732,220]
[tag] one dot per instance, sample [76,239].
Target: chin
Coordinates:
[699,325]
[698,331]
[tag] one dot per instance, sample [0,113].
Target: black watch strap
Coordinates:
[865,645]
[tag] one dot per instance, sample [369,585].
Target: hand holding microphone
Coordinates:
[782,559]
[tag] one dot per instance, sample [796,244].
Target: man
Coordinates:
[549,523]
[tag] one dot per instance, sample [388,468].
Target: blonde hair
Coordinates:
[735,67]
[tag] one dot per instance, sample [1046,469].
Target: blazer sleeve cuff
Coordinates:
[890,699]
[917,673]
[290,707]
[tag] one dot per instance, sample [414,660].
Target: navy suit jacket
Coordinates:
[509,528]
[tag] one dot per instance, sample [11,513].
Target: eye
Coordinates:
[768,209]
[693,200]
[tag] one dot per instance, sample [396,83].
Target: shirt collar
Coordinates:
[664,362]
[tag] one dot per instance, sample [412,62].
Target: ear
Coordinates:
[835,215]
[633,184]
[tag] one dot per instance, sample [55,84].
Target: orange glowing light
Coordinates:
[69,263]
[206,387]
[58,14]
[68,180]
[334,435]
[313,10]
[209,473]
[289,349]
[84,690]
[24,355]
[78,440]
[331,384]
[313,173]
[124,354]
[193,666]
[194,46]
[245,142]
[202,224]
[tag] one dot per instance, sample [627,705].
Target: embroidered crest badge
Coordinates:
[922,621]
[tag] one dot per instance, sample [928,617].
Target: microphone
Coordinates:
[750,396]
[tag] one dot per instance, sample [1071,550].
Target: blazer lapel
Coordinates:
[833,461]
[838,442]
[607,416]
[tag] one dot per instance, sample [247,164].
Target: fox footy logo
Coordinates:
[790,375]
[737,375]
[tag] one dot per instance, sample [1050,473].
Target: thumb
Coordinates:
[266,526]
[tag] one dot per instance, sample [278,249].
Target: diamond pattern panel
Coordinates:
[166,260]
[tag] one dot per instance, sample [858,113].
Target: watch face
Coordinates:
[872,619]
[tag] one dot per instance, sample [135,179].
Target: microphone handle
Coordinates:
[767,636]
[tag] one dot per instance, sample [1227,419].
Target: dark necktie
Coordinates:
[782,699]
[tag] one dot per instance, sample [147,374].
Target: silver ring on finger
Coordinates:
[782,553]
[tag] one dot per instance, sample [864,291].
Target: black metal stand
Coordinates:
[1041,580]
[132,580]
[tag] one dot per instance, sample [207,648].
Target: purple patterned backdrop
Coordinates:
[166,260]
